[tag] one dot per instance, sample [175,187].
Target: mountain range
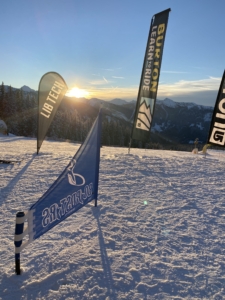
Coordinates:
[173,122]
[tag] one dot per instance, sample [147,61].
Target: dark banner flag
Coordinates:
[150,77]
[217,129]
[74,188]
[52,89]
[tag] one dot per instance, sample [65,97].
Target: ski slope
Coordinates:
[158,231]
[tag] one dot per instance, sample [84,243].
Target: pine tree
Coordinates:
[18,120]
[2,99]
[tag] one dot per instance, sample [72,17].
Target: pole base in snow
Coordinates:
[18,271]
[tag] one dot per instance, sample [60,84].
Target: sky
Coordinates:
[98,47]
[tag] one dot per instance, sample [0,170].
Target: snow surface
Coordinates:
[170,103]
[200,126]
[208,117]
[158,231]
[157,127]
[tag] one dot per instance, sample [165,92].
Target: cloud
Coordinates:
[189,86]
[117,77]
[105,79]
[98,75]
[109,93]
[110,70]
[174,72]
[215,78]
[99,82]
[202,91]
[102,81]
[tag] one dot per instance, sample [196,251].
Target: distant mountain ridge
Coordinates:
[182,122]
[26,88]
[173,122]
[118,101]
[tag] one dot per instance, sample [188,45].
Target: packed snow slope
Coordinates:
[158,231]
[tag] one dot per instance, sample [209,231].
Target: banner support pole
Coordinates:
[18,231]
[129,145]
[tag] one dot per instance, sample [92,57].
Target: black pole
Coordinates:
[129,145]
[17,264]
[18,230]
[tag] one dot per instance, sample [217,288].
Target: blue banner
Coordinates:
[75,187]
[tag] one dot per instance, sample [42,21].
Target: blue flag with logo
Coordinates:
[74,188]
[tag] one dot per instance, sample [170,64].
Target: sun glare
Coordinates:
[76,92]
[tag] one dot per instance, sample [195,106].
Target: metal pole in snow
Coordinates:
[129,145]
[18,230]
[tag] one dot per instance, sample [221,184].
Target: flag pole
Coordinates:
[129,145]
[18,239]
[98,152]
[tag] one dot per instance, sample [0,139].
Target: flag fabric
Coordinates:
[217,129]
[51,91]
[74,188]
[150,76]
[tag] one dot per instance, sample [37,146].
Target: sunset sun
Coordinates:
[76,92]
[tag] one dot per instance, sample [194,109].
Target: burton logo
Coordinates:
[144,117]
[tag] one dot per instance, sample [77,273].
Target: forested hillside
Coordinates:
[72,121]
[174,125]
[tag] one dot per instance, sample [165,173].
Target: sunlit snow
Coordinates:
[157,233]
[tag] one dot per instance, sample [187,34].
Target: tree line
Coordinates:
[18,109]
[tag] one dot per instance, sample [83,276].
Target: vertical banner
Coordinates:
[51,91]
[150,77]
[75,187]
[217,129]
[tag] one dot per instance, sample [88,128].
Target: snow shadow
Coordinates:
[104,257]
[13,139]
[4,192]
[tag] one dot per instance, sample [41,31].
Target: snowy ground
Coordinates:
[158,231]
